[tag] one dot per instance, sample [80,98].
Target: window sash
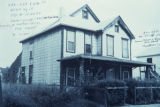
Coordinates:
[23,70]
[70,77]
[88,39]
[125,48]
[125,75]
[88,44]
[110,45]
[149,60]
[87,48]
[116,28]
[70,41]
[85,14]
[70,46]
[31,54]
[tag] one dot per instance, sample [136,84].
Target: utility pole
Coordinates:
[1,100]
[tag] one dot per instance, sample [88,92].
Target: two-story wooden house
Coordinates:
[79,48]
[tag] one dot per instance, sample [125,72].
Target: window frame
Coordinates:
[128,75]
[107,35]
[149,60]
[70,51]
[74,78]
[86,12]
[30,54]
[125,39]
[30,76]
[23,69]
[117,28]
[87,44]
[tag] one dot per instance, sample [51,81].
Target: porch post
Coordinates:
[154,67]
[147,72]
[81,72]
[140,73]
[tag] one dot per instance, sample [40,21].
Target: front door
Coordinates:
[70,77]
[110,74]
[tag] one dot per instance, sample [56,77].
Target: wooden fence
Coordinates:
[106,93]
[139,88]
[125,92]
[115,88]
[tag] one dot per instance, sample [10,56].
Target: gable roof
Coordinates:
[73,22]
[69,22]
[122,24]
[89,10]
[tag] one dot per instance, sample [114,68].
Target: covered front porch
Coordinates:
[85,69]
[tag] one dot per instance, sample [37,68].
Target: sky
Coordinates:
[139,15]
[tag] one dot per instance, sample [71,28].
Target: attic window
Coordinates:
[84,14]
[116,28]
[149,60]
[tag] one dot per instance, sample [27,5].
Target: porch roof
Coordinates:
[108,59]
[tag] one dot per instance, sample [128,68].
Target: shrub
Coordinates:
[15,97]
[38,96]
[108,83]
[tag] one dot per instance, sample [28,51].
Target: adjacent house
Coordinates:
[79,48]
[151,58]
[149,43]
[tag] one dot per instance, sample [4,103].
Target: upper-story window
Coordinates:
[84,14]
[110,45]
[116,28]
[88,44]
[31,42]
[31,55]
[70,41]
[125,48]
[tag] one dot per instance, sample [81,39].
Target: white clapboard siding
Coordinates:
[79,47]
[46,51]
[117,42]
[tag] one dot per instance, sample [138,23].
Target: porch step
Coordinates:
[155,75]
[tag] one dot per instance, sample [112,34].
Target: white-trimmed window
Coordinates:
[70,77]
[149,60]
[125,75]
[88,44]
[84,14]
[116,28]
[125,48]
[70,41]
[110,45]
[31,55]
